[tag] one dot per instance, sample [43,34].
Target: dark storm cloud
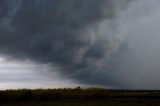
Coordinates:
[62,33]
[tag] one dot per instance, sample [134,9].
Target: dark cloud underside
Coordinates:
[64,33]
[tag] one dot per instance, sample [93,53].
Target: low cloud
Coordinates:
[107,42]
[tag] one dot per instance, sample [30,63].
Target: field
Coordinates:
[79,97]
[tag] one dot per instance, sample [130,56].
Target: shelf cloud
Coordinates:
[95,42]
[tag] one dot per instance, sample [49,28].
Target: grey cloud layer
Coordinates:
[60,32]
[101,42]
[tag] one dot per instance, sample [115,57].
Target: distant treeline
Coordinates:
[74,94]
[53,94]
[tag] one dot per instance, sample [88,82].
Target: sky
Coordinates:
[18,75]
[70,43]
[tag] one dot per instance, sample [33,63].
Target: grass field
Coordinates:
[79,97]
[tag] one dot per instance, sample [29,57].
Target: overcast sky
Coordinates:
[16,75]
[69,43]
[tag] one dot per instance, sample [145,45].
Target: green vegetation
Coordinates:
[79,97]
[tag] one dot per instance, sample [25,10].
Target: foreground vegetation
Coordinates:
[79,97]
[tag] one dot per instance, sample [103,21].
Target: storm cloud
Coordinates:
[95,42]
[63,33]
